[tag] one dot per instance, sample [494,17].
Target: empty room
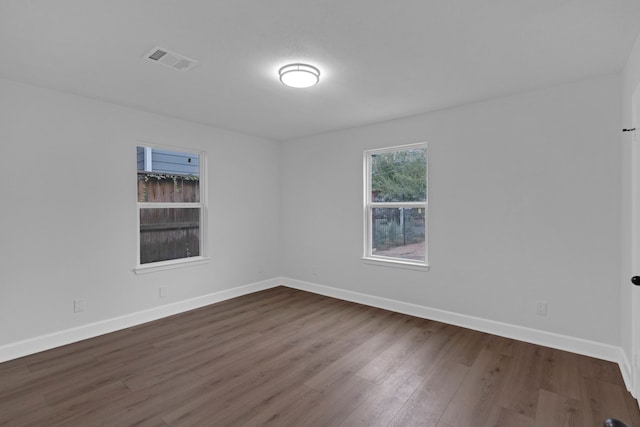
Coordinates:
[314,213]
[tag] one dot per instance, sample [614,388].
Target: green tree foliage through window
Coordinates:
[399,176]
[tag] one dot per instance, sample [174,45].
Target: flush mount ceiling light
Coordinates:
[299,75]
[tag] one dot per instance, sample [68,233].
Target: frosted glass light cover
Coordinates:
[299,75]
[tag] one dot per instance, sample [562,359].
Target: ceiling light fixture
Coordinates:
[299,75]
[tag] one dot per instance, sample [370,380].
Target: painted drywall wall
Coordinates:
[630,83]
[68,217]
[524,206]
[523,192]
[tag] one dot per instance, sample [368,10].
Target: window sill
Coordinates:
[386,262]
[170,265]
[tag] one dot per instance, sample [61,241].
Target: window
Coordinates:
[395,210]
[170,206]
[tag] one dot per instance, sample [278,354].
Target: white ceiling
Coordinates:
[379,59]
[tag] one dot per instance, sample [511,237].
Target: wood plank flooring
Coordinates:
[284,357]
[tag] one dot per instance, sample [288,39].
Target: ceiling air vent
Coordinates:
[170,59]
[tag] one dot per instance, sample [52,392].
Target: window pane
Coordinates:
[399,176]
[169,233]
[398,233]
[166,176]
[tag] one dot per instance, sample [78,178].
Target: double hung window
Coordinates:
[170,206]
[395,206]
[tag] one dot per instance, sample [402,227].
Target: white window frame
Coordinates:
[202,205]
[369,205]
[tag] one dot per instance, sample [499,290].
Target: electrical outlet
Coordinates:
[163,291]
[78,305]
[541,308]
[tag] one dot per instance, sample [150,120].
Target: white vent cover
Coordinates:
[170,59]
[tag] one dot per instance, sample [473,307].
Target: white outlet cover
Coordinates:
[541,308]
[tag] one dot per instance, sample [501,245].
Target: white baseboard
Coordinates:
[68,336]
[535,336]
[625,370]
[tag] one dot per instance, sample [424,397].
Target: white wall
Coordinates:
[524,205]
[630,82]
[68,216]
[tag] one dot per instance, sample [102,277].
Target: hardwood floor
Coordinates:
[284,357]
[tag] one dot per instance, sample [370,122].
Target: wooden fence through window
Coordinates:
[168,233]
